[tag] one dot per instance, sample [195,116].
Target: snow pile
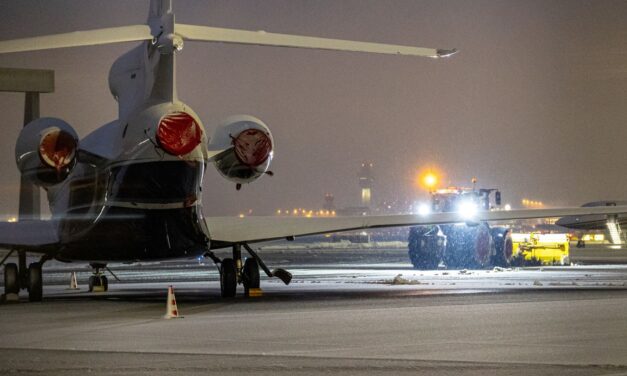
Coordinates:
[399,280]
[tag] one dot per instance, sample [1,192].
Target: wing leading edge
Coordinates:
[257,229]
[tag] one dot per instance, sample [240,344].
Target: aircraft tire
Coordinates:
[250,275]
[91,283]
[11,279]
[228,278]
[35,282]
[95,281]
[104,282]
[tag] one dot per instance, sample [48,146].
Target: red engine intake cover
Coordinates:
[57,149]
[178,133]
[252,147]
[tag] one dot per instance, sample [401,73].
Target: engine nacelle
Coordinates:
[251,148]
[46,151]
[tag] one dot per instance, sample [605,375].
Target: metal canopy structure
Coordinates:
[32,82]
[26,80]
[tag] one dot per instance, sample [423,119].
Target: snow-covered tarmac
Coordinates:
[350,316]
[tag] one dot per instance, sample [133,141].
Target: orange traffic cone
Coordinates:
[171,311]
[73,283]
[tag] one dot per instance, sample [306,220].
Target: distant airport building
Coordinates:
[365,183]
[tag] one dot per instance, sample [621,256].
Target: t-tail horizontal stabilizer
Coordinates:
[222,35]
[162,31]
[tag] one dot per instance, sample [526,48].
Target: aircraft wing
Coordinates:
[32,235]
[592,222]
[256,229]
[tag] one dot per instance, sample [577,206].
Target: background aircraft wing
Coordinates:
[30,235]
[217,34]
[256,229]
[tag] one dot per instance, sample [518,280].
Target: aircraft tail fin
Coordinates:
[159,7]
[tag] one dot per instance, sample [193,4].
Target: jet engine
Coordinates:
[249,147]
[46,151]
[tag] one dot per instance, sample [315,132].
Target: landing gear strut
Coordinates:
[234,272]
[98,282]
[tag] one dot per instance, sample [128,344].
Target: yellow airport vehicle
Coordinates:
[540,249]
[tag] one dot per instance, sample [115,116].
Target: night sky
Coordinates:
[535,103]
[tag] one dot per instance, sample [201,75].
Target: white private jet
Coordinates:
[131,189]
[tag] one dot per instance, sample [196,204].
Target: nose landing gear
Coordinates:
[98,282]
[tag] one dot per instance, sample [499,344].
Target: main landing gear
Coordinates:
[234,272]
[18,277]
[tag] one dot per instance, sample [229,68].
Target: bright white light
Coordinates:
[424,210]
[508,207]
[468,209]
[615,232]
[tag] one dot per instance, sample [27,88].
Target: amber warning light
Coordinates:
[178,133]
[428,180]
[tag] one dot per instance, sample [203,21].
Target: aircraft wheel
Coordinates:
[11,279]
[104,282]
[94,281]
[35,282]
[250,275]
[228,278]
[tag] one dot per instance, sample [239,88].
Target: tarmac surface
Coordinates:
[366,313]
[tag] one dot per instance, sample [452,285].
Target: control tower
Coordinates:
[365,183]
[328,202]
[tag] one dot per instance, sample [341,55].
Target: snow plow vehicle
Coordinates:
[460,246]
[533,249]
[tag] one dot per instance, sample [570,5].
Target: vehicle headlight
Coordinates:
[468,210]
[424,210]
